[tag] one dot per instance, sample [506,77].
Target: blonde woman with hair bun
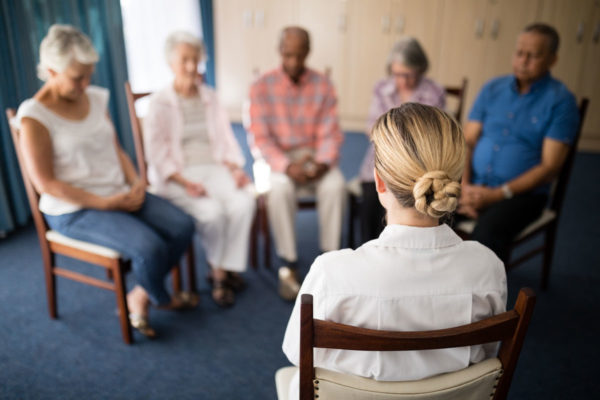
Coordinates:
[418,274]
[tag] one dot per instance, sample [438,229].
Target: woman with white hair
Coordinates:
[195,161]
[406,67]
[89,188]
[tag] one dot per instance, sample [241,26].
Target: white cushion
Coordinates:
[283,377]
[53,236]
[475,382]
[547,215]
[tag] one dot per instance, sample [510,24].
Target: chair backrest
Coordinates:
[459,92]
[32,195]
[136,129]
[562,180]
[509,328]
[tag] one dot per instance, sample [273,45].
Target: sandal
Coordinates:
[222,294]
[140,323]
[185,300]
[235,281]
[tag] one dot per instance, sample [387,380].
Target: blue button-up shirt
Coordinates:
[515,125]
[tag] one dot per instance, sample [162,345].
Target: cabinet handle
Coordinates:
[342,23]
[247,18]
[385,24]
[596,36]
[400,25]
[579,35]
[479,25]
[495,29]
[259,18]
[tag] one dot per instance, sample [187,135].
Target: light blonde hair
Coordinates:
[62,45]
[420,154]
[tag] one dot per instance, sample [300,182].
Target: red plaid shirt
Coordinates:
[285,116]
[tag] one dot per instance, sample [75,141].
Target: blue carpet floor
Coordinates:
[210,353]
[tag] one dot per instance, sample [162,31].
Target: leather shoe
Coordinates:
[288,284]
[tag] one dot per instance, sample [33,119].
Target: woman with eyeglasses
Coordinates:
[406,82]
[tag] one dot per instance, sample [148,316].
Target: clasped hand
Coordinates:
[129,201]
[474,198]
[306,170]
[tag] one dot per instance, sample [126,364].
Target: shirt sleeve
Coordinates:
[263,144]
[329,134]
[478,110]
[565,120]
[313,284]
[157,144]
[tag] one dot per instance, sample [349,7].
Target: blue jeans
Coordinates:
[154,238]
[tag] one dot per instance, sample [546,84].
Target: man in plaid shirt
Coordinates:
[294,127]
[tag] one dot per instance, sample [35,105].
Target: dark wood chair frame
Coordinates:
[509,328]
[550,228]
[116,268]
[354,202]
[138,141]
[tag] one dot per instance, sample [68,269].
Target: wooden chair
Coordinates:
[489,379]
[354,185]
[136,129]
[547,223]
[53,243]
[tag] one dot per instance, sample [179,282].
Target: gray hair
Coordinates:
[409,52]
[62,45]
[548,31]
[179,37]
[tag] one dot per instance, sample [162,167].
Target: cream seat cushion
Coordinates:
[54,236]
[476,382]
[547,216]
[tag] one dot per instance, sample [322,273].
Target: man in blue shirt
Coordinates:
[518,137]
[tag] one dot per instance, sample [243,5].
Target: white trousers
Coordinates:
[223,217]
[282,204]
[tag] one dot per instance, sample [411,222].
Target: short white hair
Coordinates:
[179,37]
[62,45]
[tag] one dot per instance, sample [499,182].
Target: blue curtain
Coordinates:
[208,35]
[23,24]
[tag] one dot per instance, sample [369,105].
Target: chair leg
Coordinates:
[352,206]
[176,276]
[548,254]
[264,229]
[253,240]
[117,272]
[48,258]
[191,269]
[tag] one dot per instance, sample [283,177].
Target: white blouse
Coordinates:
[84,151]
[408,279]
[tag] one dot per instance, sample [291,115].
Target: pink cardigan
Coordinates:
[163,126]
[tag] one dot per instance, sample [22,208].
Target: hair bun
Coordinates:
[436,194]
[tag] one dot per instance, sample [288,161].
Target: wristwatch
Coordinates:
[508,194]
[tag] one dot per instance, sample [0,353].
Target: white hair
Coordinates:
[62,45]
[179,37]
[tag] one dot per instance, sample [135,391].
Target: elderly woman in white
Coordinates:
[418,275]
[195,161]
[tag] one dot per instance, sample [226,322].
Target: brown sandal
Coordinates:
[222,294]
[140,323]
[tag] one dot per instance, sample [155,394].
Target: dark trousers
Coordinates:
[499,224]
[372,213]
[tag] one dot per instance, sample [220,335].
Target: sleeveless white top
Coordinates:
[84,151]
